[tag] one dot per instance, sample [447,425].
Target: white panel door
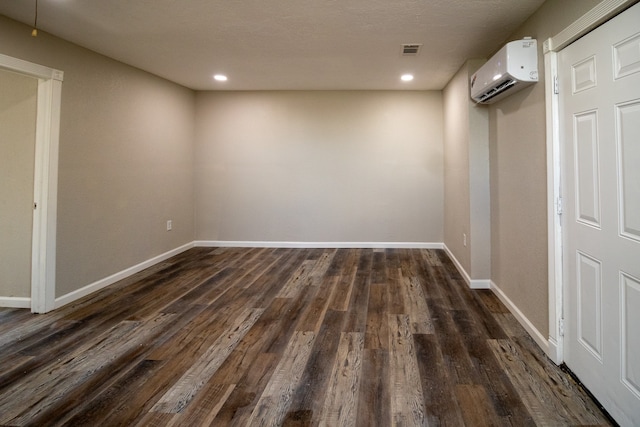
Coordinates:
[599,82]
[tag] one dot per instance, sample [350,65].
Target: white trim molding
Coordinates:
[554,207]
[95,286]
[472,283]
[45,191]
[30,69]
[554,351]
[603,11]
[15,302]
[524,321]
[315,245]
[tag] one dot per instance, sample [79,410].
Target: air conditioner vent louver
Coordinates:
[497,90]
[411,49]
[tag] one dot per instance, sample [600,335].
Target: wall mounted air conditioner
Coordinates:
[513,68]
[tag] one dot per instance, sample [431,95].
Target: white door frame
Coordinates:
[45,192]
[590,20]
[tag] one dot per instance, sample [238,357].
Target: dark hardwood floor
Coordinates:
[235,336]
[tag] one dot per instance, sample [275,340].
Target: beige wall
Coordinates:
[319,166]
[18,102]
[518,176]
[466,176]
[126,156]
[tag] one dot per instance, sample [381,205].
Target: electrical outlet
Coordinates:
[464,239]
[169,225]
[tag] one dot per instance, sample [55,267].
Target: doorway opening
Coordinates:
[45,179]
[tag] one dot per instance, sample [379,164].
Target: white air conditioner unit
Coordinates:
[513,68]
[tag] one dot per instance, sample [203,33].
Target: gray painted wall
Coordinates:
[319,166]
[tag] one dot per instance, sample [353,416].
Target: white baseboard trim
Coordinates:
[15,302]
[540,339]
[318,245]
[472,283]
[95,286]
[461,269]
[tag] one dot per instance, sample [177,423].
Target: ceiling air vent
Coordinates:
[411,49]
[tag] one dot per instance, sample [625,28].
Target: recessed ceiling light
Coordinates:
[220,77]
[406,77]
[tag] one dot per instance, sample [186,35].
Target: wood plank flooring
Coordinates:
[293,337]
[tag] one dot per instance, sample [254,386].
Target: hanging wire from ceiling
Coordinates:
[34,32]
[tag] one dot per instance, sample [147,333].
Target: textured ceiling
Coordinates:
[284,44]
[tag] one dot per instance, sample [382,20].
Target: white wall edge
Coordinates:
[95,286]
[524,321]
[472,283]
[319,245]
[15,302]
[480,284]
